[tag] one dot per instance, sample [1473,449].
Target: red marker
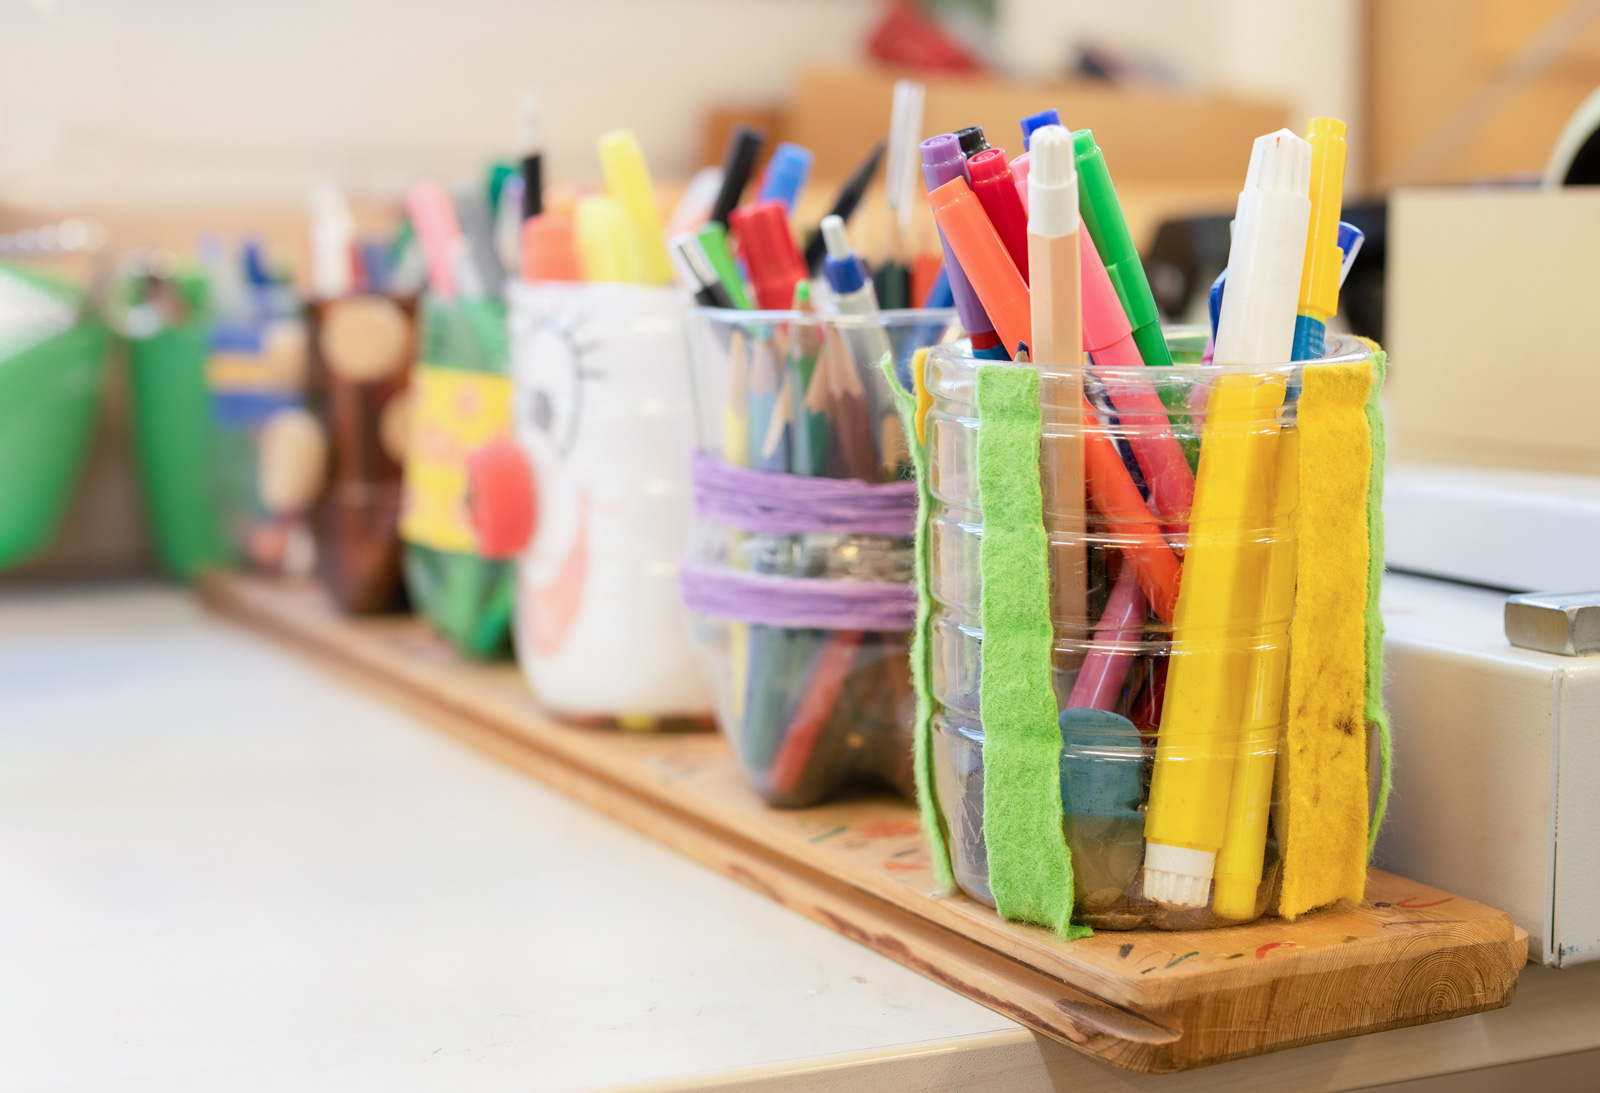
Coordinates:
[762,232]
[1107,335]
[996,188]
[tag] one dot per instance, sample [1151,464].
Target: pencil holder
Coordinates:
[266,457]
[603,414]
[799,572]
[52,357]
[362,348]
[1148,661]
[166,322]
[460,404]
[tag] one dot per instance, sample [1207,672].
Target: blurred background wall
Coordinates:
[173,101]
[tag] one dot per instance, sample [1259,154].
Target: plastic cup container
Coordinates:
[460,400]
[602,411]
[808,651]
[362,349]
[1113,654]
[49,394]
[256,371]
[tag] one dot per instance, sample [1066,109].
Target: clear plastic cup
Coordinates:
[810,708]
[1117,552]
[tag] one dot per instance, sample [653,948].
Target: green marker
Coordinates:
[1102,215]
[714,238]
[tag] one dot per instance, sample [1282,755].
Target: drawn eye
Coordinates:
[549,380]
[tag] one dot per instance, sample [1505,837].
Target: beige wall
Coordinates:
[116,102]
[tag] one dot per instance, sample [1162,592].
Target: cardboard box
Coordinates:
[1492,355]
[1497,766]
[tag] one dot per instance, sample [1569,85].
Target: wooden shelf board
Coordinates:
[1145,1000]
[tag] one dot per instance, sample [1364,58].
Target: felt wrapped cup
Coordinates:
[1147,634]
[799,571]
[459,403]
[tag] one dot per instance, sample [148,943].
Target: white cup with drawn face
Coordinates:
[603,411]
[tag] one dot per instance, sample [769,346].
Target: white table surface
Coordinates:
[223,869]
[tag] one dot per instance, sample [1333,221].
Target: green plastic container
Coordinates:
[49,394]
[466,598]
[173,439]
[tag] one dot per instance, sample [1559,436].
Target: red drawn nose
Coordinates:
[502,498]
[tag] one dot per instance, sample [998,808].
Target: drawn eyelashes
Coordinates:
[552,401]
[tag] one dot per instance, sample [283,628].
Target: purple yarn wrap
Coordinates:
[797,602]
[766,503]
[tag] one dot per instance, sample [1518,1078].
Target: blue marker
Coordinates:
[1350,240]
[1037,121]
[787,173]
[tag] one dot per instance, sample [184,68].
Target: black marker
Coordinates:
[744,144]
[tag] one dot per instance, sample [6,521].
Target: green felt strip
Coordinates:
[1030,867]
[1376,714]
[922,759]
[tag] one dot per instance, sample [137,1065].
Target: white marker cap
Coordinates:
[835,239]
[1267,254]
[1052,183]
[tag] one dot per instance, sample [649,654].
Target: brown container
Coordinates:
[361,353]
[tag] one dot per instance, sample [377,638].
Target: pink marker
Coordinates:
[1107,335]
[1019,171]
[433,218]
[1100,679]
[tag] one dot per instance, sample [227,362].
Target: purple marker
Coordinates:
[942,161]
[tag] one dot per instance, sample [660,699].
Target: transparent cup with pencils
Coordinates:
[1169,618]
[799,573]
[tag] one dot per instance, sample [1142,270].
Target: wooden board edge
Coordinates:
[1132,1037]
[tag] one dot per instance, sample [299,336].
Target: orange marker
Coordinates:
[548,252]
[1117,498]
[983,257]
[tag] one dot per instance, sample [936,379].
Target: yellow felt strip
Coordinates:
[1323,791]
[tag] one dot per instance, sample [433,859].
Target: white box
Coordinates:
[1529,531]
[1497,766]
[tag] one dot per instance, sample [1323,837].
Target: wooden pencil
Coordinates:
[852,418]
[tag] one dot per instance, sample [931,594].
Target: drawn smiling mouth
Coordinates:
[554,604]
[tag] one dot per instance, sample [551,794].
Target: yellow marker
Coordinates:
[919,383]
[628,180]
[736,453]
[1213,631]
[1319,274]
[1220,596]
[1238,873]
[600,231]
